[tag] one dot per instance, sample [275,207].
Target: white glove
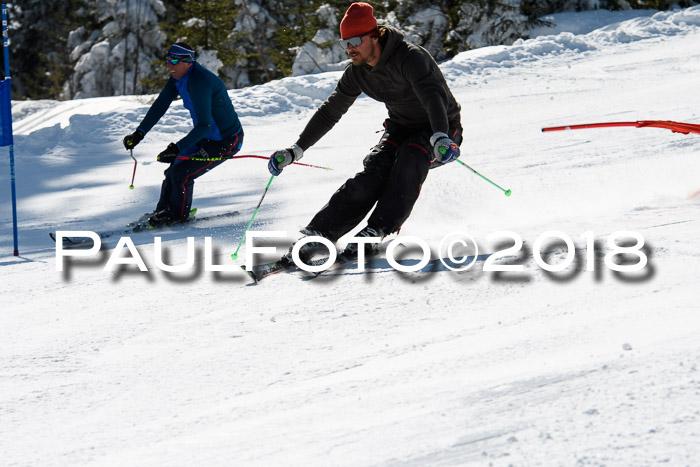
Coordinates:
[282,158]
[444,149]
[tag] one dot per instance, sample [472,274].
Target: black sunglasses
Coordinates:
[353,41]
[173,61]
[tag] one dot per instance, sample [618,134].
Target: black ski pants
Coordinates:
[393,174]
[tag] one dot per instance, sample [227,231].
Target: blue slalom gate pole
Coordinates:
[6,123]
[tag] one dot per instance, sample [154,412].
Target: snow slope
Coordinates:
[436,367]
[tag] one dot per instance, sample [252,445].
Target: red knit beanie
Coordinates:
[358,20]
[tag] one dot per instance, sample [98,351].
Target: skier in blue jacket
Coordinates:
[217,132]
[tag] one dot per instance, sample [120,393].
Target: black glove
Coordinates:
[130,141]
[169,154]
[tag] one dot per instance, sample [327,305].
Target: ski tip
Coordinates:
[68,242]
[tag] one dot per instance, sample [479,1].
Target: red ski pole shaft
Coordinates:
[133,175]
[294,163]
[590,125]
[194,158]
[676,127]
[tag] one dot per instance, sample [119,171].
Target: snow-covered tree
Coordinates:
[258,25]
[489,22]
[84,48]
[322,52]
[112,59]
[38,56]
[428,27]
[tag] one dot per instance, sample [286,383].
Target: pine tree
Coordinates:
[208,26]
[297,26]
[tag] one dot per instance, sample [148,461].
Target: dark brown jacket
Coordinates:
[406,78]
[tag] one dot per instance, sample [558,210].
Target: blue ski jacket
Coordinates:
[205,96]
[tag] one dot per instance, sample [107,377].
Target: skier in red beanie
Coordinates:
[423,131]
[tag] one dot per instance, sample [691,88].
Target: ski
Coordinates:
[261,271]
[139,225]
[346,259]
[343,260]
[377,262]
[373,263]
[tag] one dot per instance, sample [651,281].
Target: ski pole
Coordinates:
[133,175]
[507,192]
[293,163]
[235,254]
[209,159]
[676,127]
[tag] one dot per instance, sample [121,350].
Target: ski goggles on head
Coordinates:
[354,41]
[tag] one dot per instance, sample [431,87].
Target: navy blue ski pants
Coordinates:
[177,188]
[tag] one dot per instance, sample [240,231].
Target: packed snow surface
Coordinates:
[115,366]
